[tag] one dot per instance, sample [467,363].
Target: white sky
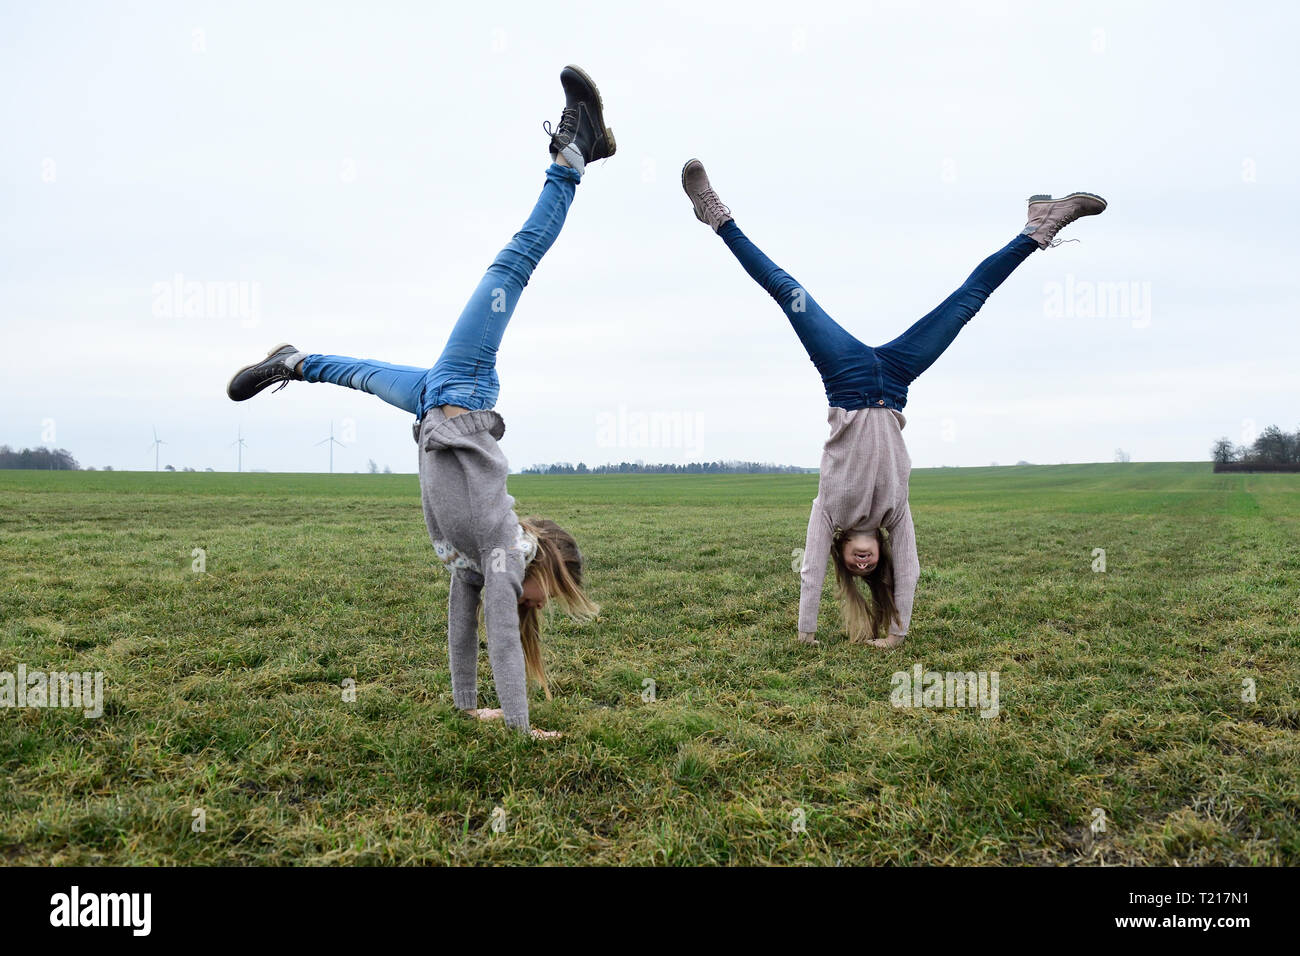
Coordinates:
[359,165]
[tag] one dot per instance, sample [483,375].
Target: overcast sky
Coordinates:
[353,167]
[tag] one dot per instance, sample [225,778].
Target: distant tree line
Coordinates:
[1273,450]
[693,468]
[45,459]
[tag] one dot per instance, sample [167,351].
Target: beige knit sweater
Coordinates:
[863,486]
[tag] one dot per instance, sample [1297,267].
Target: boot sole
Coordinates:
[687,190]
[600,108]
[1043,197]
[282,345]
[687,163]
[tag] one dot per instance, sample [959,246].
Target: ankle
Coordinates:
[571,157]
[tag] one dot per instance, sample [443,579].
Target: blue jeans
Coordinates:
[857,375]
[465,374]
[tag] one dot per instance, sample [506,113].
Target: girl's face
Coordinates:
[534,595]
[861,552]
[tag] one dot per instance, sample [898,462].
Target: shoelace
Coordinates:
[1052,241]
[713,205]
[568,125]
[279,369]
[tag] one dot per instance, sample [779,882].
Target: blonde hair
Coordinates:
[557,567]
[864,620]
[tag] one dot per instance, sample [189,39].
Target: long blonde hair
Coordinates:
[865,621]
[557,567]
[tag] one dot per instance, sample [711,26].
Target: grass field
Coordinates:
[1120,691]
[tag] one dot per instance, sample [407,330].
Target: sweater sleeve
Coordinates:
[812,572]
[907,569]
[462,637]
[503,583]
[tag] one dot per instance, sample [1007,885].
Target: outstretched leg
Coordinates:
[398,385]
[849,369]
[843,361]
[907,356]
[465,373]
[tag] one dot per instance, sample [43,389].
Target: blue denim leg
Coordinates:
[907,356]
[398,385]
[850,371]
[465,374]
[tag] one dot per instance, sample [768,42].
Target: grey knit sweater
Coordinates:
[863,486]
[463,485]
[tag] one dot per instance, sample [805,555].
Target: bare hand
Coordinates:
[893,640]
[486,713]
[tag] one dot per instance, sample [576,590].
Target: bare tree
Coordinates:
[1223,452]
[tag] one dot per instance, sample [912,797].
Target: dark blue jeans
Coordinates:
[857,375]
[465,374]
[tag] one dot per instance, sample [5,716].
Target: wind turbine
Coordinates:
[156,442]
[332,442]
[241,444]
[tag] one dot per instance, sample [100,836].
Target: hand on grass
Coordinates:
[486,713]
[893,640]
[545,734]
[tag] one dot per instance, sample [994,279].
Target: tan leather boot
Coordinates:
[708,207]
[1048,216]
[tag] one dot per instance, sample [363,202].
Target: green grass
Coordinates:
[1119,690]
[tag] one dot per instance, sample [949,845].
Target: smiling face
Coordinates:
[861,552]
